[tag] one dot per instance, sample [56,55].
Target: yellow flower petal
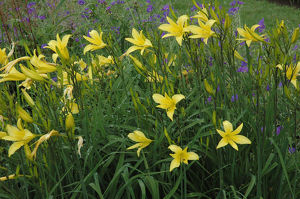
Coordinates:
[177,98]
[223,142]
[170,112]
[240,139]
[158,98]
[14,147]
[237,130]
[192,156]
[174,164]
[175,148]
[227,126]
[233,144]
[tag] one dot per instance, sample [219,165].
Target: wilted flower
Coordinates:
[231,136]
[143,141]
[181,156]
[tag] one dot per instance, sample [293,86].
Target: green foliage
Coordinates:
[115,98]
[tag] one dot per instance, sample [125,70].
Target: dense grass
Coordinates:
[116,99]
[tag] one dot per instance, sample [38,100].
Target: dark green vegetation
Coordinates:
[254,92]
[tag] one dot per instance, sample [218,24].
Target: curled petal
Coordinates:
[170,112]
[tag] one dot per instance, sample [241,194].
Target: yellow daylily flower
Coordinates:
[26,83]
[23,114]
[61,45]
[249,34]
[143,141]
[4,57]
[105,61]
[175,29]
[181,156]
[202,31]
[231,136]
[168,103]
[81,64]
[291,72]
[8,67]
[13,75]
[139,41]
[31,73]
[202,15]
[41,65]
[96,40]
[18,135]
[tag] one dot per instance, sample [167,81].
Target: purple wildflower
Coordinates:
[165,7]
[295,48]
[268,88]
[81,2]
[148,1]
[242,69]
[262,26]
[232,4]
[278,129]
[42,17]
[234,98]
[101,1]
[280,84]
[233,11]
[43,46]
[292,150]
[149,8]
[209,99]
[29,5]
[240,2]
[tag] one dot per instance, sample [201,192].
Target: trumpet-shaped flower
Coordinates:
[231,136]
[18,135]
[291,72]
[165,102]
[61,46]
[139,41]
[249,34]
[181,156]
[202,15]
[202,31]
[96,40]
[105,61]
[175,29]
[142,140]
[41,65]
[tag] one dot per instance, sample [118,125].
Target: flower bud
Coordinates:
[28,99]
[23,114]
[295,35]
[70,123]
